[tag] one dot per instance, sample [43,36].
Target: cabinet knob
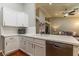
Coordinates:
[32,46]
[6,43]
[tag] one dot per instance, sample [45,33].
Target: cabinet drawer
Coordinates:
[39,50]
[29,39]
[39,41]
[10,38]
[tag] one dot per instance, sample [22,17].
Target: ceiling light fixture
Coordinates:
[50,3]
[70,12]
[65,15]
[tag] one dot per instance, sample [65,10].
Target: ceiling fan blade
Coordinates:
[72,12]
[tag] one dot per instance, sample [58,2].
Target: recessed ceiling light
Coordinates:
[56,14]
[50,3]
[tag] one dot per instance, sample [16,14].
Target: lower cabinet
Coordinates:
[32,46]
[26,45]
[39,50]
[37,47]
[11,44]
[22,43]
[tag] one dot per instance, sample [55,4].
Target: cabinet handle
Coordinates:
[39,46]
[32,45]
[6,43]
[56,46]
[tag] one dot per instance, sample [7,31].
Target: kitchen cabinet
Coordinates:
[33,46]
[26,45]
[30,48]
[36,47]
[22,43]
[14,18]
[39,47]
[39,50]
[22,19]
[11,44]
[9,17]
[58,49]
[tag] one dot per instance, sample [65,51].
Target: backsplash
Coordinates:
[9,30]
[31,30]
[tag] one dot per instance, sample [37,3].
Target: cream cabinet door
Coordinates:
[30,48]
[9,17]
[11,44]
[39,50]
[25,21]
[22,44]
[22,19]
[26,47]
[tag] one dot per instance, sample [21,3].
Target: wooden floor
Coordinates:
[18,53]
[1,54]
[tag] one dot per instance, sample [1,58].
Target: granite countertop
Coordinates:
[57,38]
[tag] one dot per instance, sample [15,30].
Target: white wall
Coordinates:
[30,9]
[31,30]
[9,30]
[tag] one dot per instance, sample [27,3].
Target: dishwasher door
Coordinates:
[58,49]
[2,43]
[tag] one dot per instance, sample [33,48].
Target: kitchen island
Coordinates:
[36,44]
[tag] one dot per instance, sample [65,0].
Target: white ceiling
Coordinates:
[57,9]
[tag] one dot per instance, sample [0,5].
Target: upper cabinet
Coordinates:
[22,19]
[9,17]
[14,18]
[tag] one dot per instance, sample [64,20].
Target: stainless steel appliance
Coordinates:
[21,30]
[58,49]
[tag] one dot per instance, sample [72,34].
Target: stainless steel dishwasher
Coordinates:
[58,49]
[2,45]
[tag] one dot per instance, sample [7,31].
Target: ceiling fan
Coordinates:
[70,12]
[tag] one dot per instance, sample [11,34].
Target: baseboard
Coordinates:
[25,52]
[11,52]
[2,52]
